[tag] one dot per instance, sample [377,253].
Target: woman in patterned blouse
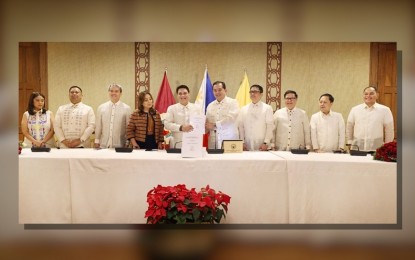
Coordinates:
[145,129]
[37,123]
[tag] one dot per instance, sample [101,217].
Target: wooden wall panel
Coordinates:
[383,75]
[32,74]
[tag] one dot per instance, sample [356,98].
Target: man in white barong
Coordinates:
[112,120]
[370,124]
[178,115]
[255,122]
[292,128]
[221,116]
[74,122]
[327,127]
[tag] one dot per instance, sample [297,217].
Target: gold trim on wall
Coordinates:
[142,68]
[273,89]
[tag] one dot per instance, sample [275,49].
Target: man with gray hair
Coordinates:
[112,120]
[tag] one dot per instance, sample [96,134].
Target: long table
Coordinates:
[102,186]
[326,188]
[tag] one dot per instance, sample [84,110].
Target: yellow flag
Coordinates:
[243,92]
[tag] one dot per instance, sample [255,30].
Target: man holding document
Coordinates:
[221,116]
[178,116]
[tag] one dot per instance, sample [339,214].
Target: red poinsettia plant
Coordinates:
[179,205]
[387,152]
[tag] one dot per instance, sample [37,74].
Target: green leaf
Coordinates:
[180,219]
[219,214]
[171,214]
[208,216]
[189,216]
[196,214]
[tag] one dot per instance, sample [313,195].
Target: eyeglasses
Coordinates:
[290,98]
[254,91]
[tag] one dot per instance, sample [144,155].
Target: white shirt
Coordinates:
[176,116]
[366,126]
[73,122]
[256,125]
[224,114]
[327,131]
[292,129]
[111,123]
[39,126]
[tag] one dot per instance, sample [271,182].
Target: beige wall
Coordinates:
[91,66]
[311,69]
[186,64]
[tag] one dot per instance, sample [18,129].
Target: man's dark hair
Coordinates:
[219,82]
[182,86]
[75,87]
[261,90]
[290,92]
[331,98]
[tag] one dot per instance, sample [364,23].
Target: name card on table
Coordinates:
[232,146]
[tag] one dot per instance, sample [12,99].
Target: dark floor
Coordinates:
[228,250]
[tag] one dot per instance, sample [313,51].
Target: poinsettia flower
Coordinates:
[387,152]
[172,204]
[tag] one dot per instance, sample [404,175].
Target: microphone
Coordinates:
[300,150]
[215,150]
[177,143]
[174,149]
[216,140]
[357,152]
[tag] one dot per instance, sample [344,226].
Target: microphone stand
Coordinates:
[215,150]
[174,149]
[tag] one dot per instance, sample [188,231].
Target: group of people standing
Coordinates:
[368,126]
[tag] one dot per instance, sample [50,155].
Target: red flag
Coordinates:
[205,140]
[165,97]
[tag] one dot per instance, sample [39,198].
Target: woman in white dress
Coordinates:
[37,124]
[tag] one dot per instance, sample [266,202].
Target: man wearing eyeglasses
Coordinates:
[255,122]
[292,127]
[74,122]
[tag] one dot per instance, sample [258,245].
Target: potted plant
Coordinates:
[387,152]
[179,205]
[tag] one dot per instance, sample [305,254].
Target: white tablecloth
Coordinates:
[326,188]
[102,186]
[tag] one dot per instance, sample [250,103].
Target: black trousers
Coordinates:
[150,143]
